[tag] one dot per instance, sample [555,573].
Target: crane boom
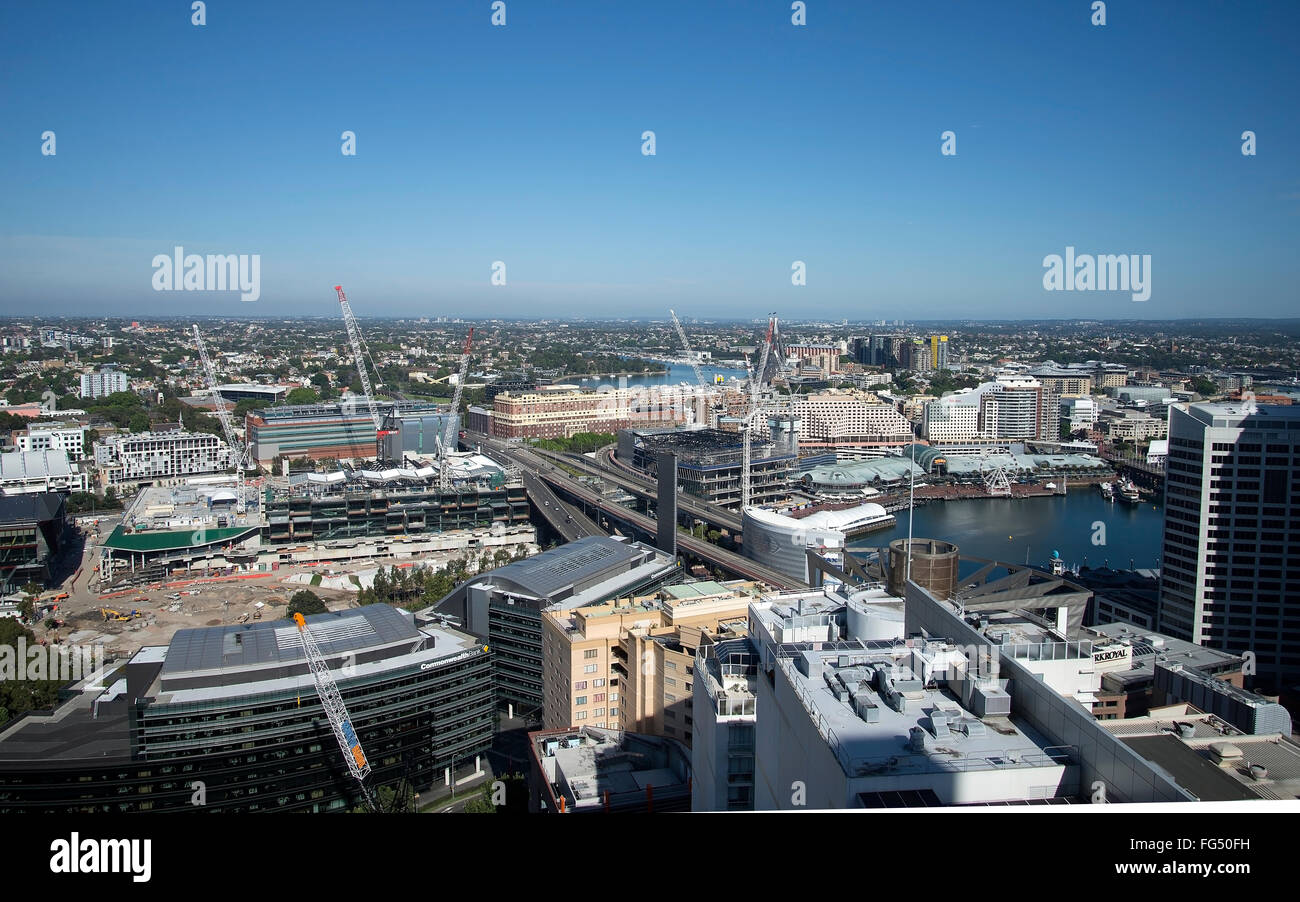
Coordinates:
[359,354]
[755,383]
[695,363]
[227,425]
[337,713]
[444,477]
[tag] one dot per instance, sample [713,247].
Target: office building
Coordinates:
[628,664]
[1079,413]
[236,708]
[162,457]
[243,391]
[33,531]
[39,472]
[506,604]
[341,430]
[1232,504]
[53,438]
[710,462]
[103,383]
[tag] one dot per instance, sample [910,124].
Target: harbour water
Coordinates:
[1020,529]
[677,373]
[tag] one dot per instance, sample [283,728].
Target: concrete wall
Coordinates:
[1125,775]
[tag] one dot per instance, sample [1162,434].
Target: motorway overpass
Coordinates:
[558,482]
[606,467]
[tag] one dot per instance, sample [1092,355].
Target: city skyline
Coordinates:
[775,143]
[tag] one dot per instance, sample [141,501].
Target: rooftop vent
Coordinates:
[1225,753]
[939,723]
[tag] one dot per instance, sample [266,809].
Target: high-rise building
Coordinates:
[939,352]
[1231,539]
[103,383]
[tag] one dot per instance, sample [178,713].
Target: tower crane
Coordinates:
[237,449]
[755,383]
[332,701]
[359,353]
[695,363]
[448,439]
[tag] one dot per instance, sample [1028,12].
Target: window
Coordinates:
[590,668]
[670,665]
[599,712]
[613,712]
[581,715]
[669,681]
[591,653]
[580,700]
[580,684]
[598,697]
[613,696]
[596,684]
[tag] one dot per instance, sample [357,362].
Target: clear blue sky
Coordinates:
[775,143]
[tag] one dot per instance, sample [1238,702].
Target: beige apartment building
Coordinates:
[562,414]
[629,664]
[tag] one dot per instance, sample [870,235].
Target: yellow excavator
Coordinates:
[118,616]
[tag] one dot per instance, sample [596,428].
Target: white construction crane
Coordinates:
[332,701]
[448,434]
[690,355]
[747,427]
[360,354]
[237,450]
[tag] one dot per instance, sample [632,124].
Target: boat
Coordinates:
[1107,490]
[1128,492]
[1050,485]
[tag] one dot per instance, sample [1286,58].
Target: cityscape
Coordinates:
[676,409]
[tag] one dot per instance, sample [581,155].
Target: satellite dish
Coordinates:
[1056,554]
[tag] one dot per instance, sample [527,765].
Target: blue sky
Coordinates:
[775,143]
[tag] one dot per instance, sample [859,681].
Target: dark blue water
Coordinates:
[1010,529]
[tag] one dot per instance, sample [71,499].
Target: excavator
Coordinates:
[118,616]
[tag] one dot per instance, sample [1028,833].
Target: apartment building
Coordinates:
[629,663]
[103,383]
[1136,427]
[160,456]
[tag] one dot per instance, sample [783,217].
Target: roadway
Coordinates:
[605,467]
[531,464]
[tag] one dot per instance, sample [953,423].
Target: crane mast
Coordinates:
[755,383]
[337,713]
[227,425]
[358,352]
[444,476]
[690,355]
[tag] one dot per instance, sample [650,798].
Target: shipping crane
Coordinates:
[360,354]
[753,411]
[332,701]
[237,449]
[448,436]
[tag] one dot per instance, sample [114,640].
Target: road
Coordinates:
[605,467]
[529,462]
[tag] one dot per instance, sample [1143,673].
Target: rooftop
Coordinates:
[589,768]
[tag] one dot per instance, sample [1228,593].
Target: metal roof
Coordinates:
[580,563]
[277,641]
